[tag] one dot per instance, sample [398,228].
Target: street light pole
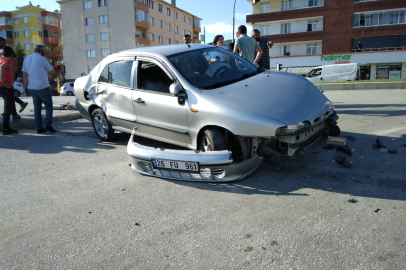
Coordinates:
[233,20]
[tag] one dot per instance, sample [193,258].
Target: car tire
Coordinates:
[16,93]
[212,139]
[69,93]
[102,126]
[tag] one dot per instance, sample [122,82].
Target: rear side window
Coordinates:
[117,73]
[71,84]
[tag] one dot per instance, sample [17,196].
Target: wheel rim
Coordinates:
[69,94]
[100,125]
[205,145]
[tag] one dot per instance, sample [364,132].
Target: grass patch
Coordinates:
[366,81]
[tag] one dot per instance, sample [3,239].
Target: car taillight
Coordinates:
[357,74]
[64,88]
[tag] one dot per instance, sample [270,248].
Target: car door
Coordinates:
[159,113]
[115,88]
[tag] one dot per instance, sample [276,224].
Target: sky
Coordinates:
[217,15]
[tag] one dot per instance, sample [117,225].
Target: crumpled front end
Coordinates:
[214,166]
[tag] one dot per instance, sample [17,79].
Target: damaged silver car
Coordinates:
[224,113]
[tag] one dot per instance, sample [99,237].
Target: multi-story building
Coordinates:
[95,28]
[322,32]
[30,25]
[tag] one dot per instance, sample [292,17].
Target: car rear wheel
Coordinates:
[212,140]
[16,93]
[101,126]
[69,93]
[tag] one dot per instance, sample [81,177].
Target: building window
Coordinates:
[151,4]
[311,49]
[27,47]
[285,50]
[16,34]
[159,7]
[183,18]
[183,32]
[90,54]
[176,14]
[196,22]
[141,15]
[160,24]
[313,3]
[176,29]
[383,17]
[41,34]
[168,11]
[286,5]
[105,52]
[41,20]
[88,21]
[151,21]
[15,21]
[102,3]
[151,37]
[312,26]
[26,33]
[168,26]
[88,4]
[265,8]
[160,39]
[104,36]
[285,28]
[90,68]
[189,33]
[168,41]
[89,37]
[103,19]
[264,29]
[25,19]
[9,34]
[145,2]
[189,21]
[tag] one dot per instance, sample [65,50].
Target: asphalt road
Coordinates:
[69,201]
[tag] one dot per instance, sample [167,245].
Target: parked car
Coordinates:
[18,89]
[67,89]
[334,73]
[228,115]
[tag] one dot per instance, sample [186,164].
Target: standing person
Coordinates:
[6,91]
[232,44]
[265,45]
[35,69]
[187,39]
[219,41]
[247,46]
[16,99]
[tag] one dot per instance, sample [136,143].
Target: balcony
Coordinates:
[143,41]
[196,29]
[53,54]
[141,24]
[141,6]
[196,41]
[52,41]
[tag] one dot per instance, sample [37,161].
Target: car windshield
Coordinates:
[210,68]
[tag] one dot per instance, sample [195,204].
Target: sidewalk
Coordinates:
[27,116]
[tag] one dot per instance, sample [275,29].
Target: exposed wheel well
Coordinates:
[92,108]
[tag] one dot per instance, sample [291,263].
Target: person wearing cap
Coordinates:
[35,77]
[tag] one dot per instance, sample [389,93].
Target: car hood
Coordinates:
[285,97]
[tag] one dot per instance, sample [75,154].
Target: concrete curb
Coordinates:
[362,86]
[29,121]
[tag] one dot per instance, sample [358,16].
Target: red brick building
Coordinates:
[305,32]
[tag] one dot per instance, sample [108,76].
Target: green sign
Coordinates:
[336,57]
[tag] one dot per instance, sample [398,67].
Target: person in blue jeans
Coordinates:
[35,70]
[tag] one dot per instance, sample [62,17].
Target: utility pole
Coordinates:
[234,21]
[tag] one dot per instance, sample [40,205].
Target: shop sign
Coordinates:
[339,59]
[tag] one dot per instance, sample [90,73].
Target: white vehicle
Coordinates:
[67,89]
[334,73]
[18,89]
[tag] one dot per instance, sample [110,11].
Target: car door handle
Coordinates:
[139,101]
[321,78]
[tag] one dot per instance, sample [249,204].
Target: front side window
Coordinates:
[211,68]
[152,77]
[117,73]
[88,4]
[265,8]
[103,19]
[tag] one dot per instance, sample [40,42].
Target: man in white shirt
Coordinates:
[35,69]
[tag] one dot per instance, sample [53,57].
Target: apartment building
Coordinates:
[30,25]
[310,33]
[93,29]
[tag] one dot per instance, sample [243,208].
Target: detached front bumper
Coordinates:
[216,166]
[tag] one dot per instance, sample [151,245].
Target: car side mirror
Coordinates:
[174,89]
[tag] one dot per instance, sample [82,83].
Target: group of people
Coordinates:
[253,48]
[35,80]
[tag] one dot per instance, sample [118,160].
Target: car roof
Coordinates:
[165,49]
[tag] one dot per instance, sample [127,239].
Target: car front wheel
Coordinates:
[69,93]
[101,126]
[212,140]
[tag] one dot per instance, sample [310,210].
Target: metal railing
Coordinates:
[379,49]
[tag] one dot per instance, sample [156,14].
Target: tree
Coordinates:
[20,55]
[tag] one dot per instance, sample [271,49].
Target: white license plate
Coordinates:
[175,165]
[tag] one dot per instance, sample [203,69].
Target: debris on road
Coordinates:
[343,161]
[336,140]
[378,144]
[392,151]
[377,210]
[352,200]
[345,149]
[328,147]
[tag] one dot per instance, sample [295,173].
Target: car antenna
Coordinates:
[188,45]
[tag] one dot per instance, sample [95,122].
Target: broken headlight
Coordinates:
[293,129]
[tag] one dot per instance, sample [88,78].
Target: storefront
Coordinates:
[373,65]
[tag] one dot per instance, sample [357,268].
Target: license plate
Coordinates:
[175,165]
